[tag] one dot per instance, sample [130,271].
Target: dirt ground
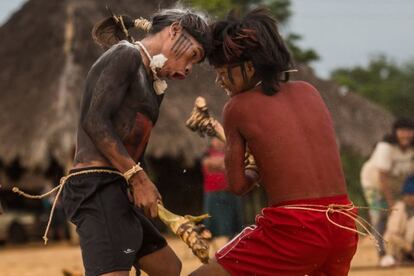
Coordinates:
[37,260]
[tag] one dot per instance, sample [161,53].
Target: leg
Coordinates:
[381,225]
[338,263]
[343,247]
[213,268]
[378,218]
[161,262]
[100,220]
[409,233]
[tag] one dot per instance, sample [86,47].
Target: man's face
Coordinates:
[405,136]
[235,78]
[182,51]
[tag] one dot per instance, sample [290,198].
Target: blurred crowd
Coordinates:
[387,180]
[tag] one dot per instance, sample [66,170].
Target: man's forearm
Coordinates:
[249,182]
[108,143]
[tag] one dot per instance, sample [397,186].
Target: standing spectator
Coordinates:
[400,227]
[225,208]
[383,174]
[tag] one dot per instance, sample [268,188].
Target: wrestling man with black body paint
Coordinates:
[120,105]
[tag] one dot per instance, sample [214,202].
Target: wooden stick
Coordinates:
[202,122]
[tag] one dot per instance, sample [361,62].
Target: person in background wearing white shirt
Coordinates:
[384,173]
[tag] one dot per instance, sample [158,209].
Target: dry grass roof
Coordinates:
[46,53]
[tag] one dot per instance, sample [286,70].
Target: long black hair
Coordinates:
[253,38]
[111,30]
[401,123]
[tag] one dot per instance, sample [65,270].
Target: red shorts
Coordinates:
[293,242]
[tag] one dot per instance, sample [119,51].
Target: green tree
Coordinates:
[382,81]
[300,55]
[218,8]
[281,9]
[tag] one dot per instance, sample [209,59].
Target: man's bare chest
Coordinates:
[138,112]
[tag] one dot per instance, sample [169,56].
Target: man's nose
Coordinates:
[188,69]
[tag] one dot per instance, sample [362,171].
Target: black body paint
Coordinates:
[181,45]
[118,108]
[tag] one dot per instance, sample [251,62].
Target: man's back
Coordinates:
[292,139]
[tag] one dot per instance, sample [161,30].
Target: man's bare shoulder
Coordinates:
[126,48]
[238,103]
[298,85]
[123,52]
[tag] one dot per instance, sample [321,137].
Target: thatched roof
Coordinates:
[44,60]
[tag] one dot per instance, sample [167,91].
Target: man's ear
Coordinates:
[249,69]
[175,30]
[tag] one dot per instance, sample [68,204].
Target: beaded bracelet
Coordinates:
[132,171]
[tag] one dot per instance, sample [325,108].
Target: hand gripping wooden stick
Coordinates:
[203,123]
[195,236]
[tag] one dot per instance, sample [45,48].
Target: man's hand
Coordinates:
[145,194]
[252,176]
[195,236]
[249,162]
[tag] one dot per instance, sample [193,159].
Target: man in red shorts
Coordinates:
[309,226]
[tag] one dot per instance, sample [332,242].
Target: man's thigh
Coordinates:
[161,262]
[212,268]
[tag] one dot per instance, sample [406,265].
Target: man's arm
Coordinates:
[240,181]
[106,98]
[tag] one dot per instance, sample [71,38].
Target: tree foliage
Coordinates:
[384,82]
[300,55]
[281,9]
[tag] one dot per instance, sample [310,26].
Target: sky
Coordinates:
[344,33]
[7,7]
[347,33]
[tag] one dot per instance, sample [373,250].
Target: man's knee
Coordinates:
[212,268]
[162,262]
[171,264]
[174,267]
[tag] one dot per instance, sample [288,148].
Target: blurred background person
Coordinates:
[383,175]
[224,208]
[400,228]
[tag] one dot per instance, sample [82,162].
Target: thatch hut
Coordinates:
[45,55]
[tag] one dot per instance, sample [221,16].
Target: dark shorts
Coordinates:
[113,233]
[292,242]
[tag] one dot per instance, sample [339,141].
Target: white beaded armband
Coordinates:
[132,171]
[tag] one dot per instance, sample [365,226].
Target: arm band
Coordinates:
[132,171]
